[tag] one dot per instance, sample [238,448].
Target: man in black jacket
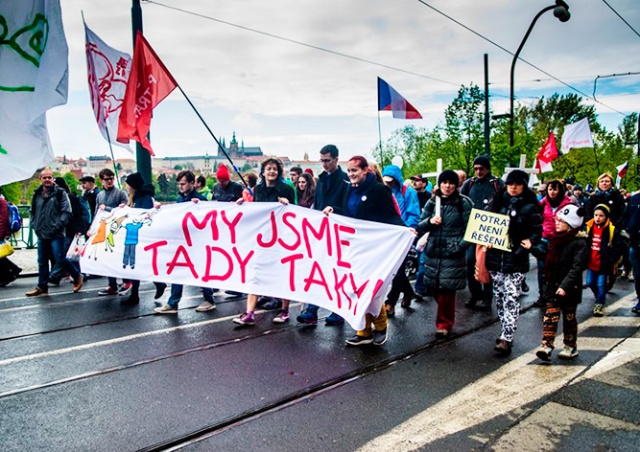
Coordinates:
[481,189]
[330,191]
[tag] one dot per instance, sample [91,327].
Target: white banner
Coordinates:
[577,135]
[33,79]
[107,72]
[290,252]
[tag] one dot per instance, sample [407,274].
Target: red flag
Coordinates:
[547,153]
[149,83]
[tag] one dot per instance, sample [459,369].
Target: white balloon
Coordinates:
[397,161]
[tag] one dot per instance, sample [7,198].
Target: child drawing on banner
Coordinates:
[132,238]
[100,236]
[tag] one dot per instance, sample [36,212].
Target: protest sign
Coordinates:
[339,263]
[488,228]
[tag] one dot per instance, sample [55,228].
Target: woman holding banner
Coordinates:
[272,188]
[445,217]
[368,199]
[508,268]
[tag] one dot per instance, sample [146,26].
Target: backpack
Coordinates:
[15,220]
[85,212]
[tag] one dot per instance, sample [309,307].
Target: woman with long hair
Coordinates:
[306,189]
[272,188]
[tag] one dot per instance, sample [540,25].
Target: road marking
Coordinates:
[117,340]
[508,388]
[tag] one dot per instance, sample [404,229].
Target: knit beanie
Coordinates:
[449,176]
[604,209]
[517,177]
[222,175]
[483,161]
[572,215]
[135,181]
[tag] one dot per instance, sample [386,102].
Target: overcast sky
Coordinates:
[290,99]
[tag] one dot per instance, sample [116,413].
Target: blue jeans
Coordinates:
[55,250]
[176,294]
[57,272]
[634,257]
[598,284]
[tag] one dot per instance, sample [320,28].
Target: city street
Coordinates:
[82,372]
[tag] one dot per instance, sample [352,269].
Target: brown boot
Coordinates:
[37,291]
[406,299]
[77,283]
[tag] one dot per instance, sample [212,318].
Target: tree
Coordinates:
[464,128]
[12,192]
[163,185]
[73,182]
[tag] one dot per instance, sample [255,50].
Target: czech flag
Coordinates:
[390,100]
[622,171]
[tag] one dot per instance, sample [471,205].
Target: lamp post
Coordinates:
[561,11]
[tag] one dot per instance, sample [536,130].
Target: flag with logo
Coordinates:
[390,100]
[149,84]
[547,153]
[107,74]
[622,171]
[577,135]
[33,78]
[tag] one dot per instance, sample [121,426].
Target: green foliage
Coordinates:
[461,139]
[12,192]
[73,183]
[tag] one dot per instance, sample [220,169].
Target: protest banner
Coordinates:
[339,263]
[488,228]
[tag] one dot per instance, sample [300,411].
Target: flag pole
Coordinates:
[380,139]
[113,159]
[213,136]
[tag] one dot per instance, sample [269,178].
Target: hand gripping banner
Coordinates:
[339,263]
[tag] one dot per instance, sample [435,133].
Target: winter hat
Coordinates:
[577,187]
[604,208]
[572,215]
[449,176]
[483,161]
[309,171]
[222,175]
[517,177]
[135,181]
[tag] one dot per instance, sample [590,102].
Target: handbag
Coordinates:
[5,249]
[75,248]
[481,273]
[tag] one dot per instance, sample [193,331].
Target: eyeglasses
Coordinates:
[326,160]
[108,179]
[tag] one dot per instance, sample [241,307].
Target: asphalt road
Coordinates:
[82,372]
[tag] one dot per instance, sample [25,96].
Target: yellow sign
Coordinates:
[488,228]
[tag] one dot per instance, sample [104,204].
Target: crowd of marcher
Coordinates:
[565,229]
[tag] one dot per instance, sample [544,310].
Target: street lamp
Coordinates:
[561,11]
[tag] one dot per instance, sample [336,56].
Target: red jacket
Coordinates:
[4,219]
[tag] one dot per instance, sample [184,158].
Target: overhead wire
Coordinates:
[621,18]
[294,41]
[364,60]
[480,35]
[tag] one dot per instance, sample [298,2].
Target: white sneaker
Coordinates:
[568,353]
[206,306]
[166,309]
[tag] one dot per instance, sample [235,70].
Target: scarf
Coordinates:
[556,243]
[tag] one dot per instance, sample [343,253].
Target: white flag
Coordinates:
[107,73]
[577,135]
[544,167]
[33,78]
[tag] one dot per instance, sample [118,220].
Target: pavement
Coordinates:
[27,260]
[82,372]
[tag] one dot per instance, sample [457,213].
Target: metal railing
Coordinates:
[25,238]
